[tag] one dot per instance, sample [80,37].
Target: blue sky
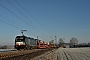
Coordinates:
[45,18]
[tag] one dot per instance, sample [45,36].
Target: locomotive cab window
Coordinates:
[19,40]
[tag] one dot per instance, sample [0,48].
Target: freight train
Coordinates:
[26,43]
[42,44]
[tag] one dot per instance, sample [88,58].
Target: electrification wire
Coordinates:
[13,26]
[10,24]
[20,12]
[19,17]
[16,16]
[30,15]
[10,20]
[7,19]
[26,11]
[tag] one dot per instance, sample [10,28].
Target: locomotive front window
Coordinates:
[19,40]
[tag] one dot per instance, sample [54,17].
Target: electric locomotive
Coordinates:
[24,42]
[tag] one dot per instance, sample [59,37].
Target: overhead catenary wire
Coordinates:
[10,24]
[17,16]
[20,18]
[28,13]
[13,25]
[26,10]
[14,14]
[22,14]
[9,20]
[31,15]
[18,10]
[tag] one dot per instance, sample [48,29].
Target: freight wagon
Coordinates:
[42,45]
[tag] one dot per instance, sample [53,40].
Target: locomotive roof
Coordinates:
[24,36]
[21,36]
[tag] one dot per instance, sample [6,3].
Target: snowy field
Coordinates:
[66,54]
[7,50]
[73,54]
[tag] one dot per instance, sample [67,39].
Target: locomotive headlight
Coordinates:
[20,43]
[23,43]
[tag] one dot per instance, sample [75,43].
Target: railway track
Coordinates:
[22,55]
[15,53]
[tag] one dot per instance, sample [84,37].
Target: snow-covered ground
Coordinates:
[66,54]
[7,50]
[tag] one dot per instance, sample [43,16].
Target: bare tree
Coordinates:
[73,42]
[5,47]
[62,43]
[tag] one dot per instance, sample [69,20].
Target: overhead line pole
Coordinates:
[56,40]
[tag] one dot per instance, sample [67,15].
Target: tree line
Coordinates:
[73,43]
[6,47]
